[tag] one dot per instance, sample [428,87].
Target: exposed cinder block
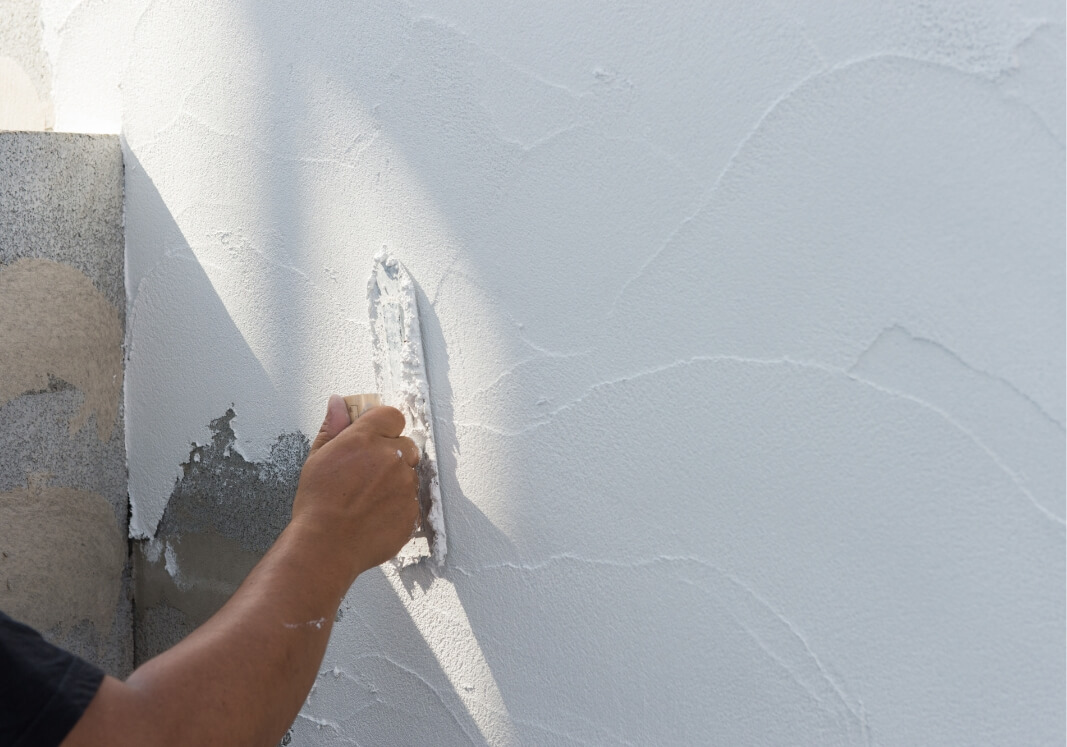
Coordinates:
[61,199]
[64,558]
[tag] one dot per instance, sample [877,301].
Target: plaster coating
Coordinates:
[25,71]
[743,323]
[400,373]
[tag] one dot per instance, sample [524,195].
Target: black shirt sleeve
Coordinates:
[43,689]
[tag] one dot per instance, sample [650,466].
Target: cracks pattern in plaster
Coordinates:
[760,123]
[606,226]
[897,329]
[786,362]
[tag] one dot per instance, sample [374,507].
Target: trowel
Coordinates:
[400,373]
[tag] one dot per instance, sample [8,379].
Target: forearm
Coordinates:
[241,677]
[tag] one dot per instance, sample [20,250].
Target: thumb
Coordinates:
[336,421]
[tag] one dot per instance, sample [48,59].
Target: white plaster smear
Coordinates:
[744,330]
[401,376]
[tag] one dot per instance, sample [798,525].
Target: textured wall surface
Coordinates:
[25,72]
[63,501]
[745,332]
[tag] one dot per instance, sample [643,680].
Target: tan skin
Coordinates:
[241,677]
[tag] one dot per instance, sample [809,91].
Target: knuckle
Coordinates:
[387,419]
[410,447]
[406,481]
[411,506]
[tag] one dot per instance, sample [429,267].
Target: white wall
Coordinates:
[746,338]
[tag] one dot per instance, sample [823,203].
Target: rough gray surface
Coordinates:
[35,437]
[61,202]
[220,491]
[223,514]
[61,199]
[111,650]
[159,627]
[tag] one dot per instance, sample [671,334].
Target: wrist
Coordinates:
[319,556]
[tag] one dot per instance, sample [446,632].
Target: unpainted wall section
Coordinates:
[223,514]
[63,502]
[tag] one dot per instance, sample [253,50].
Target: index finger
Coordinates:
[382,420]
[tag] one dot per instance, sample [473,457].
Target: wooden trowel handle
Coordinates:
[360,403]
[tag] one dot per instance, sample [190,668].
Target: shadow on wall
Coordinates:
[461,513]
[451,674]
[225,511]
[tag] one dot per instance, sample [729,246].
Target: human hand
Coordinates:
[358,491]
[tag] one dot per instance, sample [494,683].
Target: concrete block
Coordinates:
[64,557]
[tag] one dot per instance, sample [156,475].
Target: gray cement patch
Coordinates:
[223,514]
[222,492]
[158,628]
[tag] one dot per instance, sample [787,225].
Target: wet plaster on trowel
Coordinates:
[403,383]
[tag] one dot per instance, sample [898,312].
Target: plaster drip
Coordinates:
[317,624]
